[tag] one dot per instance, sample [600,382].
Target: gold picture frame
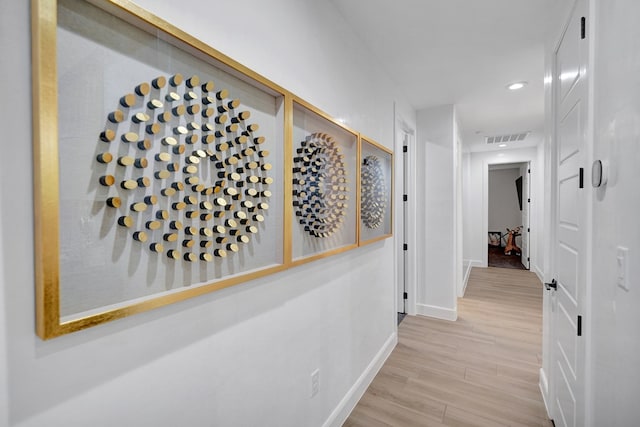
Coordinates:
[325,187]
[91,195]
[375,221]
[121,225]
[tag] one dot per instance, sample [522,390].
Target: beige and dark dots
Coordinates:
[184,169]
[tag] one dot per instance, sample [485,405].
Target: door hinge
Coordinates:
[528,170]
[581,177]
[405,148]
[405,247]
[404,198]
[405,296]
[579,326]
[528,200]
[528,259]
[583,28]
[528,230]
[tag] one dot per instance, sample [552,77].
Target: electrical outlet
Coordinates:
[315,382]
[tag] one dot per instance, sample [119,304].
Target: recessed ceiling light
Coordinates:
[516,86]
[502,145]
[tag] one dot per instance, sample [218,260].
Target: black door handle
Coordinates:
[553,285]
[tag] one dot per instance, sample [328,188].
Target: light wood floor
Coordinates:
[481,370]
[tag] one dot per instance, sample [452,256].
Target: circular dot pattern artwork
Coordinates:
[185,169]
[320,186]
[374,198]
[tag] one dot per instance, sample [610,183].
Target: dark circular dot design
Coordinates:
[189,176]
[320,185]
[374,198]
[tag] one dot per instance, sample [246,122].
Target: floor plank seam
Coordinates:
[479,370]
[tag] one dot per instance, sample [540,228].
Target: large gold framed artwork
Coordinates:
[324,182]
[376,192]
[164,170]
[159,165]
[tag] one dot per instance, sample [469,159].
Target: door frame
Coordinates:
[526,201]
[488,165]
[510,157]
[410,275]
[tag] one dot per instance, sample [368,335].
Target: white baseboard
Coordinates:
[470,264]
[544,390]
[437,312]
[353,396]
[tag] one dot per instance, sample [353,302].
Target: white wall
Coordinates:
[615,341]
[467,223]
[504,209]
[437,267]
[476,202]
[4,369]
[539,210]
[459,271]
[240,356]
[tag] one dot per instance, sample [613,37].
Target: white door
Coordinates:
[526,200]
[571,205]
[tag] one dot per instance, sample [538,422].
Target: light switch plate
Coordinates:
[622,265]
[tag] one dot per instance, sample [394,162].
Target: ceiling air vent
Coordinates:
[506,138]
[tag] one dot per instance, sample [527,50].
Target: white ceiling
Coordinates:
[463,52]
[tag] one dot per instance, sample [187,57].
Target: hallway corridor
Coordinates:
[481,370]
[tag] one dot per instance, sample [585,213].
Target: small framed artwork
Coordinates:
[495,238]
[158,166]
[376,192]
[324,180]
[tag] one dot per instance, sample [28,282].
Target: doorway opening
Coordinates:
[508,215]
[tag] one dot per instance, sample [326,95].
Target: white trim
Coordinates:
[411,277]
[458,242]
[341,412]
[398,213]
[437,312]
[588,307]
[515,156]
[412,207]
[543,384]
[470,264]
